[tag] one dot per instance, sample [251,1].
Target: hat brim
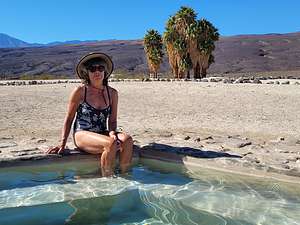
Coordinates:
[94,55]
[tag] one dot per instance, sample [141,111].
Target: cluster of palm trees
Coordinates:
[189,43]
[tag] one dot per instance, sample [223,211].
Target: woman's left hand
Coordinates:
[55,150]
[113,134]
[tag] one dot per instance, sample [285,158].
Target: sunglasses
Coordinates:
[95,68]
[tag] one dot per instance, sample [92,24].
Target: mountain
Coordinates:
[73,42]
[234,54]
[7,41]
[10,42]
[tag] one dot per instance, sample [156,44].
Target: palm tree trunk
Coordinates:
[203,72]
[197,71]
[188,74]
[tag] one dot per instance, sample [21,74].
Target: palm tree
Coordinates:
[176,43]
[202,36]
[169,37]
[193,32]
[206,44]
[189,43]
[153,47]
[183,18]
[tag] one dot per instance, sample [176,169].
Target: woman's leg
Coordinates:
[125,151]
[98,144]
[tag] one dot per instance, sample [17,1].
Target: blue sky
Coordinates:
[45,21]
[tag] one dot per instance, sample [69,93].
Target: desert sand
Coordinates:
[260,123]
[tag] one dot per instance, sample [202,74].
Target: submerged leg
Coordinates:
[98,144]
[126,151]
[108,158]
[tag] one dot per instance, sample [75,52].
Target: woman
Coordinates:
[95,105]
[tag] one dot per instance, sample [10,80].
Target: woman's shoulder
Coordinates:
[112,90]
[78,91]
[79,88]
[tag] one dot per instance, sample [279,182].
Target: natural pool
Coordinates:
[154,192]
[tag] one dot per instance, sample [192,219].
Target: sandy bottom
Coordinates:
[259,122]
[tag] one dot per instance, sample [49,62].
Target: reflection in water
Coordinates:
[148,195]
[125,207]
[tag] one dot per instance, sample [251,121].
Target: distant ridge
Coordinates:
[7,41]
[235,54]
[73,42]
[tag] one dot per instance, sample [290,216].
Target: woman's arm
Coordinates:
[74,101]
[112,120]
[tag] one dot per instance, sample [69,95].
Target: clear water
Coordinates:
[153,192]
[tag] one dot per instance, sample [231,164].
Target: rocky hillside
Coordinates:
[7,41]
[235,54]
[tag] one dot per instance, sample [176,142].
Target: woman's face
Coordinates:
[96,73]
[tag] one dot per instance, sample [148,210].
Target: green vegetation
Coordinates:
[153,46]
[189,43]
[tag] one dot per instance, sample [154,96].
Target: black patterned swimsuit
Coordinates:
[91,119]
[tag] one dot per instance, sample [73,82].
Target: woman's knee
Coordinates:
[129,140]
[111,144]
[125,138]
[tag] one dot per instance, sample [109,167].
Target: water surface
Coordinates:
[154,192]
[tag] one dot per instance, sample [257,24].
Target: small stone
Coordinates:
[286,166]
[41,140]
[244,144]
[285,82]
[198,139]
[227,81]
[248,153]
[209,137]
[210,142]
[239,80]
[187,138]
[279,139]
[284,151]
[7,138]
[257,81]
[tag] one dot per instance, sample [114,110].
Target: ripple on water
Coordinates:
[160,197]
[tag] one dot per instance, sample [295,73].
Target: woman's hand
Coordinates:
[114,135]
[56,150]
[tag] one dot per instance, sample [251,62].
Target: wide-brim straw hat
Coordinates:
[104,60]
